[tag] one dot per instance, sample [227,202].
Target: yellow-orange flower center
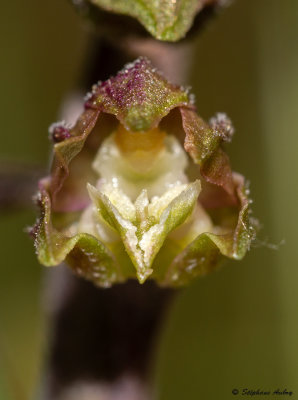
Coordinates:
[140,148]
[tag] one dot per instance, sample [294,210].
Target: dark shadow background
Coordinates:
[237,328]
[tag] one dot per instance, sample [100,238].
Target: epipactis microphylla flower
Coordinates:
[141,187]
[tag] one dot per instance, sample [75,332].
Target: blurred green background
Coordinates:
[237,328]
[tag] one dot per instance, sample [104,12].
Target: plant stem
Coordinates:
[103,336]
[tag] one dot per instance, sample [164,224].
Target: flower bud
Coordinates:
[167,20]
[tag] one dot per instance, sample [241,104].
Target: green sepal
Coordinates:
[86,255]
[206,252]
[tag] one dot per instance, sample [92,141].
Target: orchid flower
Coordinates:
[140,187]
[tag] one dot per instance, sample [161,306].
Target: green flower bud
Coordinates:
[167,20]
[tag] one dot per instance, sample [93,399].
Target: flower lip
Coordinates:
[120,233]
